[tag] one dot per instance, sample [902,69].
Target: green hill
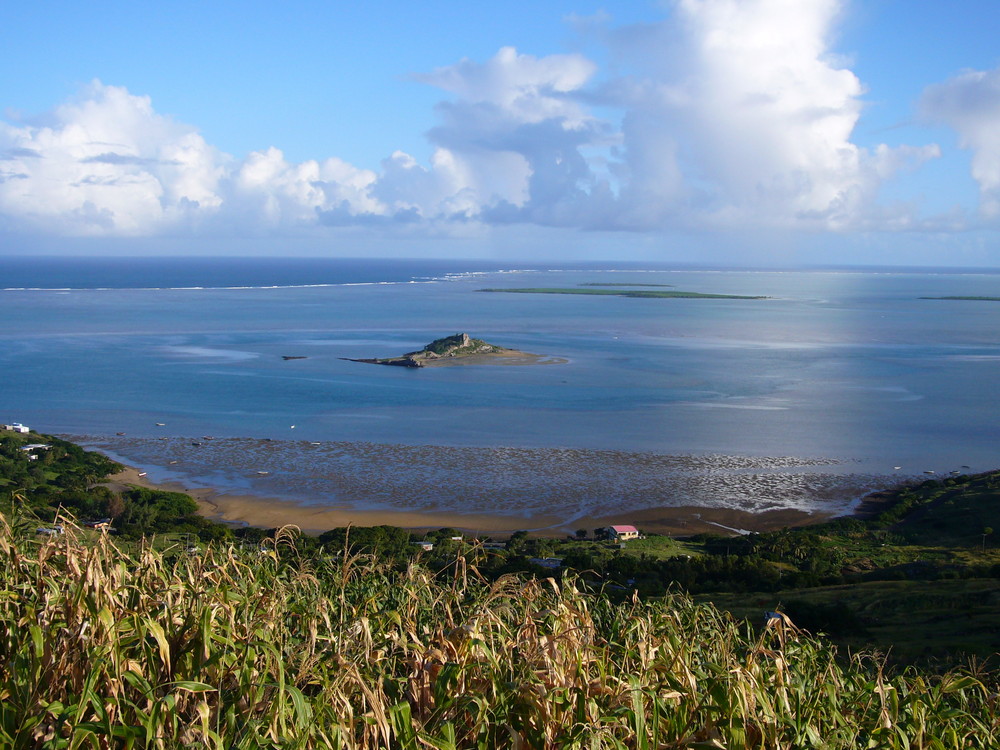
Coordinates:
[58,480]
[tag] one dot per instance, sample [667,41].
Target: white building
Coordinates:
[619,533]
[16,427]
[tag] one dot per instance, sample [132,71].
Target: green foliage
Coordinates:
[63,466]
[951,512]
[933,623]
[64,481]
[834,618]
[614,284]
[448,343]
[388,542]
[622,293]
[967,297]
[267,648]
[936,532]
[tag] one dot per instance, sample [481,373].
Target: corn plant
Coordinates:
[105,645]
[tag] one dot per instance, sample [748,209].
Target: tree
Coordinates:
[986,532]
[115,506]
[385,541]
[516,541]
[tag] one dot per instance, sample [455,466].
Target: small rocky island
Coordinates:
[460,349]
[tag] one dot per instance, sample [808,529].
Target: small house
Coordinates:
[550,563]
[618,533]
[16,427]
[623,533]
[425,546]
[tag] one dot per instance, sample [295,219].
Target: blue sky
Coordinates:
[756,131]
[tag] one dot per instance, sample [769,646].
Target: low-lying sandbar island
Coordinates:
[602,290]
[461,349]
[966,298]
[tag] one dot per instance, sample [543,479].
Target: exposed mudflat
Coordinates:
[561,485]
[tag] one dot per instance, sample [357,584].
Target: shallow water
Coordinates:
[566,482]
[660,401]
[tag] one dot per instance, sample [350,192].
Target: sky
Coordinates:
[752,132]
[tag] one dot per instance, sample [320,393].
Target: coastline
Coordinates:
[252,510]
[493,488]
[507,357]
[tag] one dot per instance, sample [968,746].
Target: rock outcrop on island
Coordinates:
[458,349]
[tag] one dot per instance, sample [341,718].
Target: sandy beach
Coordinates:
[248,510]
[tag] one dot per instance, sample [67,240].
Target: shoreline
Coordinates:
[239,510]
[493,489]
[506,357]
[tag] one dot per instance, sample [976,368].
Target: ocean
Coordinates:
[839,382]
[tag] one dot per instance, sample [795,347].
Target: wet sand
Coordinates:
[248,510]
[522,487]
[489,490]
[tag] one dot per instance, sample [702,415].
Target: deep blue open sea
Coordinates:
[804,399]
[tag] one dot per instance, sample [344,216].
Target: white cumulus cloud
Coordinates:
[270,192]
[106,163]
[740,114]
[728,113]
[970,103]
[514,134]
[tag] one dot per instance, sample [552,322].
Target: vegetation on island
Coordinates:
[639,293]
[359,638]
[975,299]
[457,346]
[609,283]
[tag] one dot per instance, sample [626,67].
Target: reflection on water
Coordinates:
[659,402]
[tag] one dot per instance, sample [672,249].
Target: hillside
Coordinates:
[263,647]
[916,577]
[359,639]
[56,480]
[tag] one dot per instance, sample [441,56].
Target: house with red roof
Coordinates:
[618,533]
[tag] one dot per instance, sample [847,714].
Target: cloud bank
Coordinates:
[970,103]
[731,114]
